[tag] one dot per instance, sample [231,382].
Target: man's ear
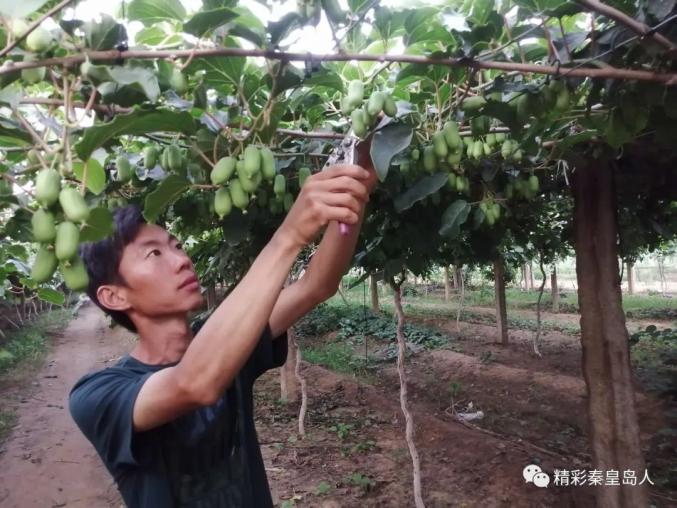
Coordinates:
[113,297]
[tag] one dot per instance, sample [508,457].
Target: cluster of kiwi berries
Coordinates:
[241,178]
[38,41]
[58,242]
[363,116]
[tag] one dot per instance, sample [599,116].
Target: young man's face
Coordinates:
[159,276]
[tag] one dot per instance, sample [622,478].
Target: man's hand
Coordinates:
[336,194]
[363,149]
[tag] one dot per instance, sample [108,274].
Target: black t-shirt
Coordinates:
[208,458]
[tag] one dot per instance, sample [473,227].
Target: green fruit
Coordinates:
[405,166]
[73,205]
[480,125]
[486,149]
[304,173]
[164,160]
[250,184]
[496,210]
[75,274]
[33,156]
[288,201]
[473,104]
[355,92]
[454,157]
[222,202]
[440,145]
[478,150]
[506,149]
[67,239]
[533,183]
[38,40]
[451,135]
[527,105]
[178,81]
[18,27]
[389,106]
[451,182]
[124,168]
[175,159]
[333,11]
[491,139]
[489,218]
[44,265]
[467,141]
[44,229]
[460,184]
[222,170]
[359,121]
[47,186]
[375,103]
[415,154]
[509,191]
[280,185]
[267,163]
[429,159]
[150,156]
[237,194]
[562,101]
[517,155]
[470,150]
[252,160]
[34,75]
[346,106]
[500,137]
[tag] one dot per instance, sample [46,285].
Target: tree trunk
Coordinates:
[613,427]
[501,312]
[458,277]
[289,389]
[554,289]
[524,277]
[537,337]
[373,288]
[631,278]
[211,296]
[447,288]
[531,276]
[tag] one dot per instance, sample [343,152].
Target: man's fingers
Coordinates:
[339,199]
[341,214]
[344,184]
[338,170]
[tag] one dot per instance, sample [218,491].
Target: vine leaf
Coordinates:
[136,123]
[99,225]
[167,192]
[421,189]
[205,21]
[453,218]
[150,12]
[52,296]
[386,143]
[104,35]
[96,176]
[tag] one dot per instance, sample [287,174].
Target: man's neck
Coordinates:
[162,340]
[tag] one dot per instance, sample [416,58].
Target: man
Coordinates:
[173,420]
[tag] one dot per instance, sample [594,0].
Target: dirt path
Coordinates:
[47,462]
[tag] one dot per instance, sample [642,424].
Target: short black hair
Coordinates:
[102,258]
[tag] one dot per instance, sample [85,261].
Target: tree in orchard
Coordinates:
[471,108]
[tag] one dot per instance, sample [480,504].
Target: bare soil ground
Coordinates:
[354,453]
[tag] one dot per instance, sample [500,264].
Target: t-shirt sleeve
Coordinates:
[102,405]
[269,353]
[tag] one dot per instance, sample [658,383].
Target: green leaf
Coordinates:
[104,35]
[326,78]
[13,9]
[453,218]
[423,188]
[156,36]
[220,71]
[278,30]
[154,11]
[137,123]
[52,296]
[99,225]
[386,143]
[14,137]
[96,176]
[205,21]
[167,192]
[138,77]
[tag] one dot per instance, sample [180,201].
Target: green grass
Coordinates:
[28,345]
[636,306]
[22,353]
